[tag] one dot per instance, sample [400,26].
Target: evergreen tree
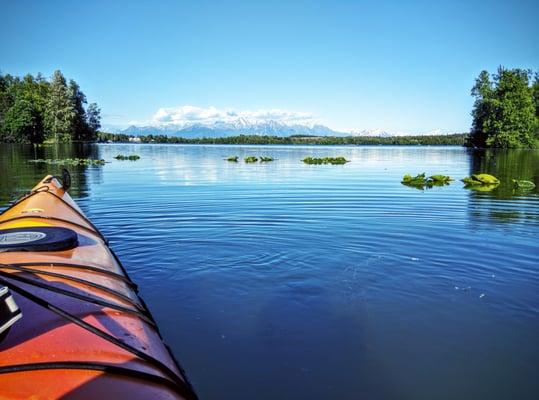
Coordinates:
[483,93]
[93,117]
[60,113]
[78,100]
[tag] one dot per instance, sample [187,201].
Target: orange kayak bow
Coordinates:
[84,332]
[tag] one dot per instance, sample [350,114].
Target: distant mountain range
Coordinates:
[243,126]
[235,128]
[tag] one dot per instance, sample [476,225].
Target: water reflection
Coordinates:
[491,201]
[18,175]
[507,165]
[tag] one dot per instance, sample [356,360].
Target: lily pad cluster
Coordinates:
[478,182]
[70,161]
[132,157]
[250,159]
[421,181]
[481,182]
[325,160]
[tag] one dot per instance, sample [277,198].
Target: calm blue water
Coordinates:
[290,281]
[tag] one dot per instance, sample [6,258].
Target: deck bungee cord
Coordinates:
[128,303]
[106,272]
[94,285]
[141,313]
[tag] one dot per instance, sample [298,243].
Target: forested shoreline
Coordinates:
[36,110]
[457,139]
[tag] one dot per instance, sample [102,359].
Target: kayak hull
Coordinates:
[115,352]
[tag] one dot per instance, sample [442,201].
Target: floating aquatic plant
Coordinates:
[481,179]
[440,178]
[250,159]
[481,182]
[266,159]
[69,161]
[132,157]
[232,159]
[469,181]
[420,181]
[325,160]
[523,186]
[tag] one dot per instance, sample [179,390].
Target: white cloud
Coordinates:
[186,115]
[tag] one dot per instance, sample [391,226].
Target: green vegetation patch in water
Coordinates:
[251,159]
[481,182]
[440,179]
[523,185]
[420,181]
[69,161]
[266,159]
[481,179]
[325,160]
[233,158]
[132,157]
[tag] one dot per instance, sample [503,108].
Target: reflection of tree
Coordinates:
[18,175]
[506,165]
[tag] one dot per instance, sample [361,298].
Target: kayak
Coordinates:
[72,325]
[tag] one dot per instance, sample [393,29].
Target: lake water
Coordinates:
[293,281]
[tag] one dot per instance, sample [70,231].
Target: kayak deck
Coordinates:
[85,332]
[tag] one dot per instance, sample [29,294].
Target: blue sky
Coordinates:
[395,65]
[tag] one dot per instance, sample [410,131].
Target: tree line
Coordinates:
[34,109]
[457,139]
[506,109]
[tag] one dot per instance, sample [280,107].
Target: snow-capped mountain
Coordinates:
[385,133]
[196,122]
[371,132]
[241,126]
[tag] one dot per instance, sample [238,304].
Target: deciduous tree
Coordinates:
[505,110]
